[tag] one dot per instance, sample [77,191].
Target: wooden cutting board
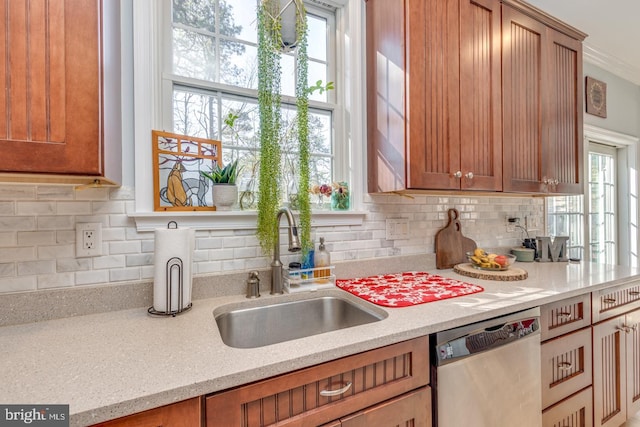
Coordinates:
[451,245]
[510,275]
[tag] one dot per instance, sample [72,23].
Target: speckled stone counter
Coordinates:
[117,363]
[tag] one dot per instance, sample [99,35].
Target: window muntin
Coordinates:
[214,75]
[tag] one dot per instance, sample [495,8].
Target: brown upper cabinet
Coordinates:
[52,111]
[440,83]
[542,100]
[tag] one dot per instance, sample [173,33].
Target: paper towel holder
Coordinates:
[173,265]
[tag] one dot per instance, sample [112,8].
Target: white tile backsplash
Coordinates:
[37,235]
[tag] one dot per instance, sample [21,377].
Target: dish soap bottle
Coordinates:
[321,259]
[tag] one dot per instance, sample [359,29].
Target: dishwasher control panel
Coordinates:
[485,337]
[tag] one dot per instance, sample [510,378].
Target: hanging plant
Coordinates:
[270,46]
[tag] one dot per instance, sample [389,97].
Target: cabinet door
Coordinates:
[433,91]
[609,362]
[411,409]
[50,118]
[576,411]
[183,414]
[563,107]
[480,95]
[632,323]
[523,62]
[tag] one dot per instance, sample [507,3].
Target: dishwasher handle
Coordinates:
[486,339]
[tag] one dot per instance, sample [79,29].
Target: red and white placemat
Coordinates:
[406,289]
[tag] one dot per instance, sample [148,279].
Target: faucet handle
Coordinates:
[253,285]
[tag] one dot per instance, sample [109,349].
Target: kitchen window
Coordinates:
[601,226]
[211,80]
[193,75]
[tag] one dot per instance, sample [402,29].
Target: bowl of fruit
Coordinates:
[482,260]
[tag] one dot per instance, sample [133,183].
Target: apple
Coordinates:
[502,260]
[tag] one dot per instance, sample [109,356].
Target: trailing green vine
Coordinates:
[270,45]
[269,42]
[302,105]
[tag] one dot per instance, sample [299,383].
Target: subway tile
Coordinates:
[56,251]
[53,192]
[110,261]
[17,223]
[35,238]
[139,260]
[17,192]
[7,269]
[73,264]
[18,254]
[55,223]
[35,208]
[59,280]
[124,274]
[124,247]
[73,208]
[7,208]
[28,268]
[93,277]
[18,284]
[8,239]
[92,194]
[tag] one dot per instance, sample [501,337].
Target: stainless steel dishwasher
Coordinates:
[487,374]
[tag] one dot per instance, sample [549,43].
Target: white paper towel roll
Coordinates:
[171,245]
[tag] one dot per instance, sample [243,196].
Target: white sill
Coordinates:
[235,220]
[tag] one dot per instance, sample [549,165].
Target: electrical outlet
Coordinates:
[397,229]
[88,239]
[511,223]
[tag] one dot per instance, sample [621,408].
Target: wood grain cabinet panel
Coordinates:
[434,96]
[51,106]
[187,413]
[410,410]
[576,411]
[565,316]
[566,366]
[542,102]
[326,392]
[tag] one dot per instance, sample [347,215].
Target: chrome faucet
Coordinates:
[294,246]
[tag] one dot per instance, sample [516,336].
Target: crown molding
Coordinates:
[598,134]
[611,63]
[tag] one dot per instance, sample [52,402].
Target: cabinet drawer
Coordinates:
[610,302]
[366,379]
[575,411]
[566,366]
[565,316]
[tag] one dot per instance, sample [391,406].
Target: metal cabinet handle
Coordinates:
[634,293]
[469,175]
[565,366]
[609,300]
[628,328]
[623,328]
[458,174]
[564,315]
[338,392]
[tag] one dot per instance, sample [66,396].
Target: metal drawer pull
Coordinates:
[565,366]
[630,328]
[564,315]
[609,300]
[338,392]
[623,328]
[634,293]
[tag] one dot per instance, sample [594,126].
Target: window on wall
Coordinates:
[211,82]
[566,217]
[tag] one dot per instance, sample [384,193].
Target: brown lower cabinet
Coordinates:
[348,391]
[616,376]
[187,413]
[575,411]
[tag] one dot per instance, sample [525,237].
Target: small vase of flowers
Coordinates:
[321,191]
[340,196]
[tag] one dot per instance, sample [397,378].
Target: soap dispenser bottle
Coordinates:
[322,258]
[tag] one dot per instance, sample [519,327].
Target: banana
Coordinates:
[482,259]
[479,252]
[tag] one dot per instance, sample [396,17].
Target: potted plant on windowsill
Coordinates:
[223,180]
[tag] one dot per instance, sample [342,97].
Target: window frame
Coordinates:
[150,111]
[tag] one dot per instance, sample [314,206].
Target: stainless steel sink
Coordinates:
[284,321]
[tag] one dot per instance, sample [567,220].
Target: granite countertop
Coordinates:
[113,364]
